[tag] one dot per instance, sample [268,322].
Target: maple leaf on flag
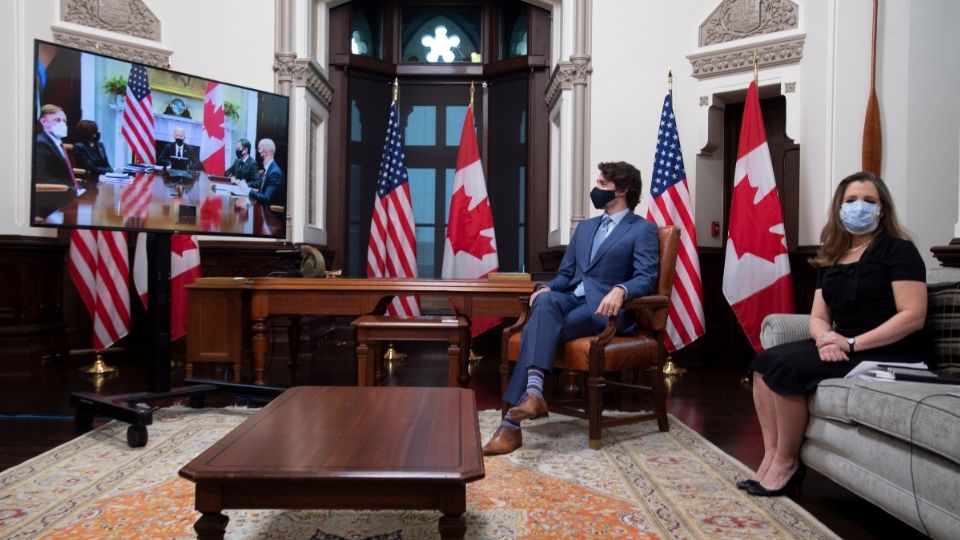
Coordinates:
[752,233]
[466,223]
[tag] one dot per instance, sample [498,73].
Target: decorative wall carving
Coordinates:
[130,17]
[737,19]
[566,75]
[772,53]
[303,72]
[124,51]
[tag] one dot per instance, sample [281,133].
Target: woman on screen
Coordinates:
[88,151]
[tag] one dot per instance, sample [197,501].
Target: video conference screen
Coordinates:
[124,146]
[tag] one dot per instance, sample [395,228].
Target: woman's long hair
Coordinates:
[835,240]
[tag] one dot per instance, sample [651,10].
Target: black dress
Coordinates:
[860,298]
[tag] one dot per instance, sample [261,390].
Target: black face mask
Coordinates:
[239,154]
[95,137]
[179,142]
[602,197]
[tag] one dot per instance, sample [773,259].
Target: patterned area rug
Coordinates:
[643,484]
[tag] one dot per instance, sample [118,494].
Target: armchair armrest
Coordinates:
[781,328]
[650,311]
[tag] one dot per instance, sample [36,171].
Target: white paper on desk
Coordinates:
[862,370]
[231,189]
[115,178]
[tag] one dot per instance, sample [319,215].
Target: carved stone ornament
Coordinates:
[772,53]
[738,19]
[567,74]
[130,17]
[303,72]
[124,51]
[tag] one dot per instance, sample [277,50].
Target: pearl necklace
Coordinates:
[857,248]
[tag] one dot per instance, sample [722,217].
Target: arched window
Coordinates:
[440,34]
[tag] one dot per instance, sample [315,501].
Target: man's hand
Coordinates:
[537,293]
[611,303]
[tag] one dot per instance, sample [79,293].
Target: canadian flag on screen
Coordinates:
[184,270]
[470,250]
[756,272]
[211,144]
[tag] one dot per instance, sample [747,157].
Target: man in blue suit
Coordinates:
[271,187]
[611,259]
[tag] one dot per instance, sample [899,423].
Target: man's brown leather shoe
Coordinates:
[504,441]
[531,407]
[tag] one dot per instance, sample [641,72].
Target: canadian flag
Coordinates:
[184,270]
[756,272]
[212,150]
[470,250]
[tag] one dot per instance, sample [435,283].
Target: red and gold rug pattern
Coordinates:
[643,484]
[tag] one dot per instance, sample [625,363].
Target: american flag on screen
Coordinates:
[137,126]
[670,205]
[135,200]
[99,268]
[392,250]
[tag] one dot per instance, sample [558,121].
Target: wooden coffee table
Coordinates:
[345,447]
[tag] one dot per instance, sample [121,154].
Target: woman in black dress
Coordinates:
[88,152]
[870,304]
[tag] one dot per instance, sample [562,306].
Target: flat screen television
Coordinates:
[123,146]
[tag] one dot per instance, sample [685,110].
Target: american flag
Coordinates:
[392,250]
[99,268]
[670,205]
[137,126]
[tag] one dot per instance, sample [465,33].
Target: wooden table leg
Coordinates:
[259,346]
[363,364]
[213,525]
[453,364]
[452,524]
[464,358]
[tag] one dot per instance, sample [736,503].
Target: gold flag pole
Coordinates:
[472,92]
[670,368]
[396,89]
[756,71]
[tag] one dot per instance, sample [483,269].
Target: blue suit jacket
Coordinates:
[272,186]
[629,256]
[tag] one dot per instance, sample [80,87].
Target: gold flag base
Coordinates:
[392,359]
[672,369]
[473,361]
[99,367]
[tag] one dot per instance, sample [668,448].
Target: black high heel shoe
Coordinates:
[745,484]
[792,487]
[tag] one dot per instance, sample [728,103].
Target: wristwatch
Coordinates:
[851,342]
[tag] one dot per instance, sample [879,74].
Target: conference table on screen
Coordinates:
[218,306]
[158,202]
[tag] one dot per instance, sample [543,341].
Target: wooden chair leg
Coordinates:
[660,399]
[595,384]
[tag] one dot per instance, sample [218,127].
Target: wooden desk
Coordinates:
[156,202]
[295,297]
[351,448]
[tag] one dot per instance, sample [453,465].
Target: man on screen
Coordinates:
[270,190]
[179,149]
[51,164]
[244,167]
[54,183]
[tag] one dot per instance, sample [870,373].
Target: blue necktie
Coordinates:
[600,236]
[597,240]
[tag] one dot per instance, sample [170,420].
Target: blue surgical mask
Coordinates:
[860,217]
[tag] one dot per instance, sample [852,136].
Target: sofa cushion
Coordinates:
[831,398]
[943,324]
[928,415]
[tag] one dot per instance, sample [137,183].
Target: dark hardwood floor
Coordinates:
[35,414]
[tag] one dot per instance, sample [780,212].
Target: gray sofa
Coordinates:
[896,444]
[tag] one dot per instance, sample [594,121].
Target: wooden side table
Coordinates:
[370,330]
[217,331]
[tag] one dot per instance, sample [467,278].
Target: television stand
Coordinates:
[133,408]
